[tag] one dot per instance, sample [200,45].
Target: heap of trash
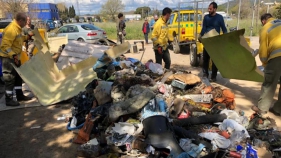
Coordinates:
[137,109]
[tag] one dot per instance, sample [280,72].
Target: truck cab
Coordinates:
[185,26]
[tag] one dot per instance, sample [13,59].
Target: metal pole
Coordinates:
[196,21]
[179,22]
[254,9]
[227,8]
[267,9]
[202,7]
[258,14]
[238,20]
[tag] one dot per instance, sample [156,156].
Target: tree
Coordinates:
[143,11]
[156,12]
[72,12]
[77,18]
[12,7]
[277,12]
[111,8]
[63,17]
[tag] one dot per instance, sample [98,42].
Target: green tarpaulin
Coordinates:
[232,55]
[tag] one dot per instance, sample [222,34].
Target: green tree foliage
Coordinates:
[71,11]
[277,12]
[143,11]
[111,8]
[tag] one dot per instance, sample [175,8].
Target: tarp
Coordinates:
[51,85]
[232,55]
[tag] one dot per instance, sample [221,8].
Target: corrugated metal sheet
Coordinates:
[51,85]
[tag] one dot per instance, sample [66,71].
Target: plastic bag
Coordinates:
[156,68]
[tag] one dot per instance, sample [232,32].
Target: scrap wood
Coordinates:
[118,50]
[189,79]
[85,132]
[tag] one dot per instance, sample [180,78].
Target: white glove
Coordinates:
[23,48]
[120,33]
[255,52]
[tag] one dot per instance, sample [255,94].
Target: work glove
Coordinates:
[120,33]
[16,60]
[160,50]
[255,52]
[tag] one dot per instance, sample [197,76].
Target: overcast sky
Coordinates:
[93,6]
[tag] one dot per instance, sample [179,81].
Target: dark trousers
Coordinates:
[206,60]
[11,77]
[146,37]
[272,73]
[165,56]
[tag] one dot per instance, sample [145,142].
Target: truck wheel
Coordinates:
[193,56]
[176,46]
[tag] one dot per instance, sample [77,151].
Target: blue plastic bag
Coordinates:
[251,152]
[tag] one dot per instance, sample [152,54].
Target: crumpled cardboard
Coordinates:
[189,79]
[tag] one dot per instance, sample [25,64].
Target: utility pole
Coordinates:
[227,8]
[77,3]
[258,14]
[142,13]
[238,20]
[254,10]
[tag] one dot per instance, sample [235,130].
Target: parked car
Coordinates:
[81,32]
[50,25]
[58,23]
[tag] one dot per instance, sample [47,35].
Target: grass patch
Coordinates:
[134,28]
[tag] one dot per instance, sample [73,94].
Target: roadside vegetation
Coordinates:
[134,28]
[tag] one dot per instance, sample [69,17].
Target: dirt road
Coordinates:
[52,139]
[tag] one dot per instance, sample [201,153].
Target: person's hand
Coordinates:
[255,52]
[120,33]
[160,50]
[30,33]
[16,60]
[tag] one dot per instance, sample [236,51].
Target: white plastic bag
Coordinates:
[156,68]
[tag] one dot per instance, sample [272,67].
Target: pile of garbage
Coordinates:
[143,110]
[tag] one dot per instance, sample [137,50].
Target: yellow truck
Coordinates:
[185,27]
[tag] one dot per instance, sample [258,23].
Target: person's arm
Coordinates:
[224,30]
[142,27]
[163,31]
[263,53]
[203,30]
[7,42]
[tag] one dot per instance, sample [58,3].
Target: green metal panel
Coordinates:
[231,54]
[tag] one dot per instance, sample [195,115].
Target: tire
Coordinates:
[176,47]
[80,40]
[193,56]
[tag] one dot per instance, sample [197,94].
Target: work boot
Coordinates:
[11,102]
[21,96]
[258,111]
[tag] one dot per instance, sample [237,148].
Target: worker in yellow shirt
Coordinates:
[161,40]
[270,56]
[11,48]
